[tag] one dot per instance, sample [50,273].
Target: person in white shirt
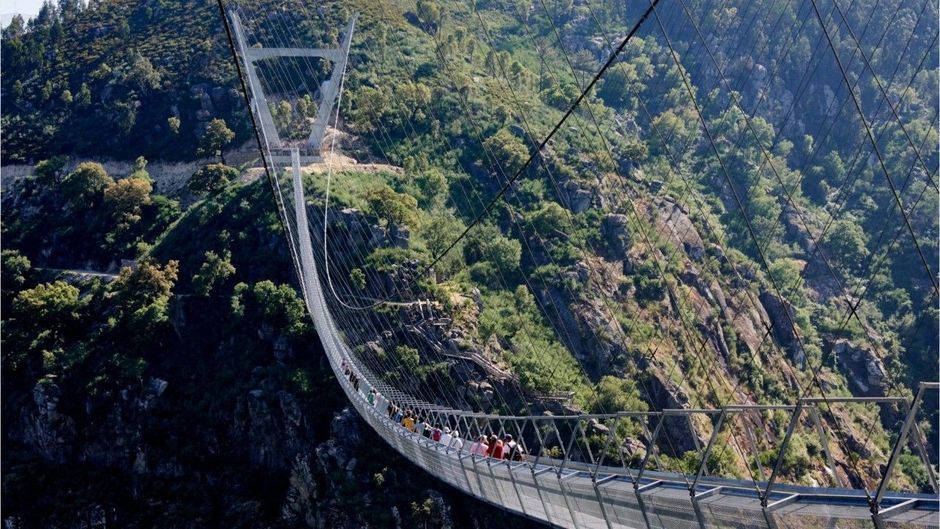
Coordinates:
[457,443]
[446,437]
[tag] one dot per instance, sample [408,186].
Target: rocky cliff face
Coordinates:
[721,327]
[237,445]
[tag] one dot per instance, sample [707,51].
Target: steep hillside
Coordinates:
[642,260]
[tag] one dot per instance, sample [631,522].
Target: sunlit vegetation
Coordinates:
[455,97]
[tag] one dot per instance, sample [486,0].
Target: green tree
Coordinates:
[616,394]
[357,278]
[15,269]
[125,201]
[266,303]
[370,106]
[429,12]
[127,197]
[49,305]
[441,231]
[721,462]
[845,243]
[508,150]
[490,61]
[550,220]
[211,178]
[306,107]
[45,317]
[49,172]
[617,88]
[216,137]
[518,72]
[409,357]
[213,272]
[613,394]
[676,128]
[283,114]
[83,98]
[438,233]
[141,296]
[86,182]
[139,170]
[142,75]
[488,244]
[432,185]
[414,97]
[46,92]
[786,275]
[392,207]
[173,123]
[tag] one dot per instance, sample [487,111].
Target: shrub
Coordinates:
[87,181]
[392,207]
[212,178]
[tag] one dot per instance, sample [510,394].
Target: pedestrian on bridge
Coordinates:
[421,427]
[457,443]
[496,447]
[446,437]
[480,446]
[409,421]
[511,449]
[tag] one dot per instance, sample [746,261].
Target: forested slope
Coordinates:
[642,260]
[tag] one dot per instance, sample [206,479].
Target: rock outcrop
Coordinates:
[862,366]
[615,229]
[783,318]
[678,434]
[48,431]
[674,222]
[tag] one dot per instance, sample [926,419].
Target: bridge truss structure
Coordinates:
[568,479]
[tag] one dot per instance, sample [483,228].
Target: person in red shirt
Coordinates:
[497,450]
[490,445]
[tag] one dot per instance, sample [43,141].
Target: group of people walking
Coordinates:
[496,447]
[493,446]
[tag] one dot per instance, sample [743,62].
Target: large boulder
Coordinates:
[302,497]
[616,231]
[591,329]
[678,434]
[862,366]
[44,428]
[782,317]
[578,198]
[674,221]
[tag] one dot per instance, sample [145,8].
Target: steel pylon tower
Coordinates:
[280,150]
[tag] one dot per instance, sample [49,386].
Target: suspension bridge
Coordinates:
[578,470]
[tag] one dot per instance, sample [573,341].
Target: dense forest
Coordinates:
[718,222]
